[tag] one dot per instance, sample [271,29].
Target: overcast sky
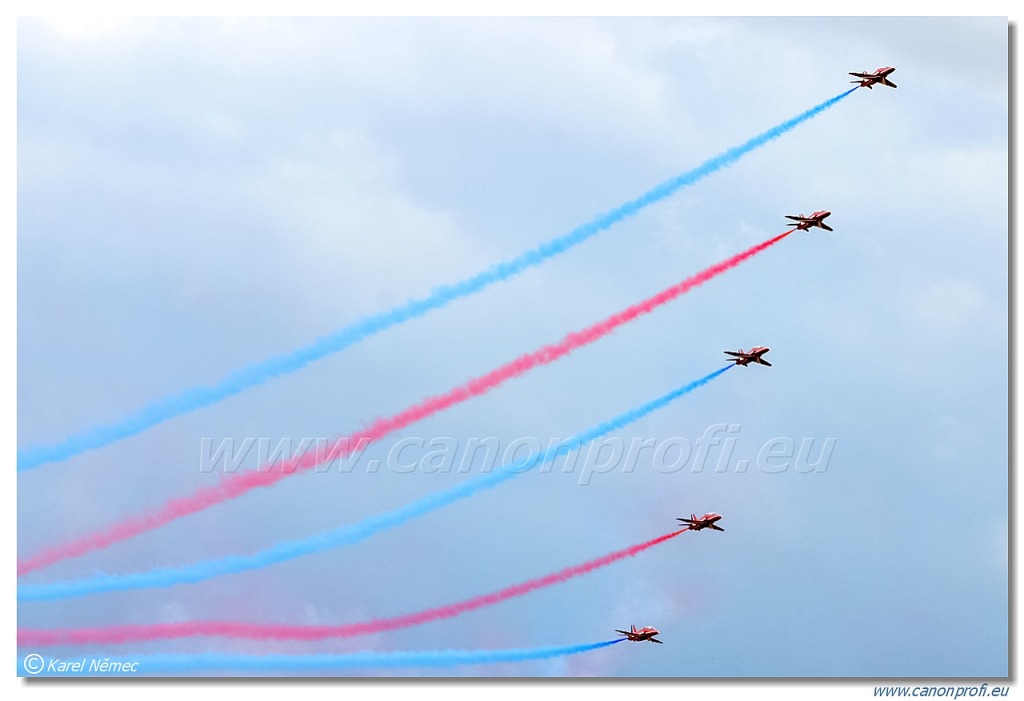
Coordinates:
[198,195]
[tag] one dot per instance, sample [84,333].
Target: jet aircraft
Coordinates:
[706,521]
[645,633]
[880,76]
[815,219]
[754,355]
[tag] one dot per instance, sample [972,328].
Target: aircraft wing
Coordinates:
[716,528]
[863,75]
[764,362]
[738,355]
[655,640]
[826,227]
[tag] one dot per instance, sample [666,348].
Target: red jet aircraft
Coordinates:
[879,76]
[645,633]
[816,219]
[742,357]
[706,521]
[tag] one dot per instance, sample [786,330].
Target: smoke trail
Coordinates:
[346,535]
[151,664]
[235,485]
[116,635]
[253,375]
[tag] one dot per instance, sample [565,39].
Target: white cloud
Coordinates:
[203,193]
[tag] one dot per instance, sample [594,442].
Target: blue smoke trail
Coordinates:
[346,535]
[151,664]
[253,375]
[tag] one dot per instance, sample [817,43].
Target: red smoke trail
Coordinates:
[251,631]
[236,485]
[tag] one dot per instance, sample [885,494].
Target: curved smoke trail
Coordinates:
[236,485]
[152,664]
[346,535]
[253,375]
[118,635]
